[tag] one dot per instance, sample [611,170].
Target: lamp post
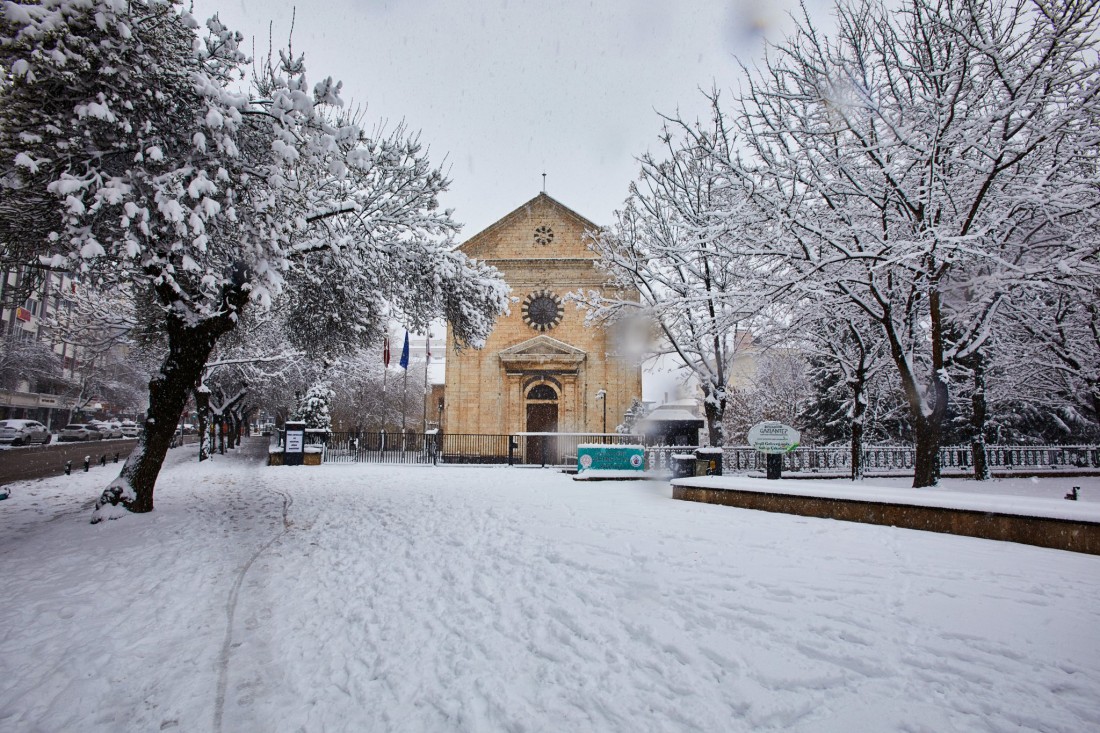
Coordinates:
[601,395]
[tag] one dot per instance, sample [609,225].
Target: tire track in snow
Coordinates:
[231,610]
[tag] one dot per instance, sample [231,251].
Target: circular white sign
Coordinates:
[586,461]
[636,461]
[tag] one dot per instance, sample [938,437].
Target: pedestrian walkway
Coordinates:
[253,448]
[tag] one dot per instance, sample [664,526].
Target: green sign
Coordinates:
[773,436]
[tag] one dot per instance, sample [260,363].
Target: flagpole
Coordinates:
[385,379]
[404,403]
[405,392]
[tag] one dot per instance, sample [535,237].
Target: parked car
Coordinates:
[80,431]
[109,429]
[130,429]
[22,432]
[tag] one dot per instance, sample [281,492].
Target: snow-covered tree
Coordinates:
[633,415]
[129,152]
[777,389]
[26,360]
[924,162]
[316,406]
[368,399]
[849,353]
[679,259]
[1052,345]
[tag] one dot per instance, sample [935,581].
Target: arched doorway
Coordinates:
[542,417]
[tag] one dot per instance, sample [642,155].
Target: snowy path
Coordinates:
[495,599]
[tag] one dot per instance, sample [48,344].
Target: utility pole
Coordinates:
[601,395]
[427,361]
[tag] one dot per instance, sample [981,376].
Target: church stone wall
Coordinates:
[487,394]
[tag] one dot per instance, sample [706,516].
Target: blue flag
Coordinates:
[405,353]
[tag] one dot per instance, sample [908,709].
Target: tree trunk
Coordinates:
[926,468]
[202,406]
[857,450]
[978,415]
[714,408]
[858,383]
[189,347]
[927,426]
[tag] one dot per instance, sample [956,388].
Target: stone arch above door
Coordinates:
[542,392]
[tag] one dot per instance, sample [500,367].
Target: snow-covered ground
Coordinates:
[390,598]
[1030,497]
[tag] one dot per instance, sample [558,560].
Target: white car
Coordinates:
[109,429]
[23,432]
[130,429]
[81,431]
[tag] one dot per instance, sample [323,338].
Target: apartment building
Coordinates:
[27,390]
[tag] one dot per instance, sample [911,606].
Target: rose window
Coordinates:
[542,310]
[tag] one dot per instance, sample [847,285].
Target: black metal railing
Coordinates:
[381,447]
[471,448]
[838,459]
[560,449]
[553,449]
[411,447]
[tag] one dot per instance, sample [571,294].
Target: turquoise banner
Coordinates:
[610,458]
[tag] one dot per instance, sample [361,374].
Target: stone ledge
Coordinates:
[308,459]
[1061,534]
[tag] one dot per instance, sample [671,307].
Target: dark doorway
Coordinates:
[542,417]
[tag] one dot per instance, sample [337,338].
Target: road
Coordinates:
[30,462]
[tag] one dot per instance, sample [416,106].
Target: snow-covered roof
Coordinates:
[670,415]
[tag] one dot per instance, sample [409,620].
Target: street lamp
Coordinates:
[601,395]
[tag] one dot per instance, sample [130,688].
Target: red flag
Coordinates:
[386,351]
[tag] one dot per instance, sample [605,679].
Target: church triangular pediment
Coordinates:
[542,346]
[540,228]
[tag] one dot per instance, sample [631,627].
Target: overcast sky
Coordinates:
[503,91]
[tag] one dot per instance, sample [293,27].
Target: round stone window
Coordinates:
[542,310]
[544,235]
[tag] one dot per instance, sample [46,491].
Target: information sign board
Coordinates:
[773,437]
[294,447]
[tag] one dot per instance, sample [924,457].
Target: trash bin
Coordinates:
[683,466]
[708,462]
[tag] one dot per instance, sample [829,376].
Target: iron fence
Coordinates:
[892,458]
[560,449]
[380,447]
[553,449]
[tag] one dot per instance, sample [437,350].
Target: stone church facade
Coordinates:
[541,369]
